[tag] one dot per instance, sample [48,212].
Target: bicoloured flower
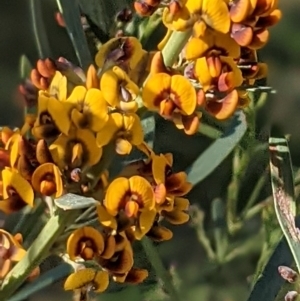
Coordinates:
[11,252]
[126,52]
[86,243]
[214,13]
[206,41]
[17,192]
[46,179]
[89,109]
[168,94]
[121,261]
[119,90]
[218,72]
[125,129]
[251,19]
[174,184]
[177,215]
[52,118]
[88,278]
[132,200]
[78,149]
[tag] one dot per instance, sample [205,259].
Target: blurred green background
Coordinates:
[203,281]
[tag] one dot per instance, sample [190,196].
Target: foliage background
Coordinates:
[203,280]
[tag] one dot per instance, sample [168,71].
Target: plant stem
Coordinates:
[161,271]
[174,46]
[37,252]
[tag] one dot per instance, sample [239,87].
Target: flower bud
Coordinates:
[287,273]
[291,296]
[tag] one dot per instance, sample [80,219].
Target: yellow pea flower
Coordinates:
[126,129]
[52,118]
[89,108]
[207,41]
[165,93]
[46,179]
[125,51]
[119,90]
[134,197]
[85,242]
[78,149]
[96,279]
[17,192]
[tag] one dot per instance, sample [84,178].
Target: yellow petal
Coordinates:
[19,184]
[58,86]
[123,147]
[81,278]
[143,189]
[77,95]
[59,113]
[216,15]
[185,92]
[109,86]
[87,233]
[115,193]
[153,89]
[133,124]
[89,141]
[146,220]
[105,218]
[98,108]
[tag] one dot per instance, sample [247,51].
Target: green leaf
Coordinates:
[218,150]
[283,193]
[24,67]
[71,201]
[43,281]
[270,282]
[39,31]
[72,17]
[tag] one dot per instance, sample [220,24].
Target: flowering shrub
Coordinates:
[85,162]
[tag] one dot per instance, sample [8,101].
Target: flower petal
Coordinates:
[143,189]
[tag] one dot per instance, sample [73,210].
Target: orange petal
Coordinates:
[239,10]
[155,89]
[224,108]
[243,35]
[143,189]
[115,193]
[185,93]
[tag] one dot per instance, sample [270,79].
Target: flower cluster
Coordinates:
[218,62]
[80,117]
[79,120]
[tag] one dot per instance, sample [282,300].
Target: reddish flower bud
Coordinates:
[287,273]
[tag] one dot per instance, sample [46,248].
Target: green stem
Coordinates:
[161,271]
[174,46]
[209,131]
[255,193]
[37,252]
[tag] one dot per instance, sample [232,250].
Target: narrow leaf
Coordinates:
[43,281]
[283,193]
[25,67]
[213,156]
[39,31]
[71,201]
[72,17]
